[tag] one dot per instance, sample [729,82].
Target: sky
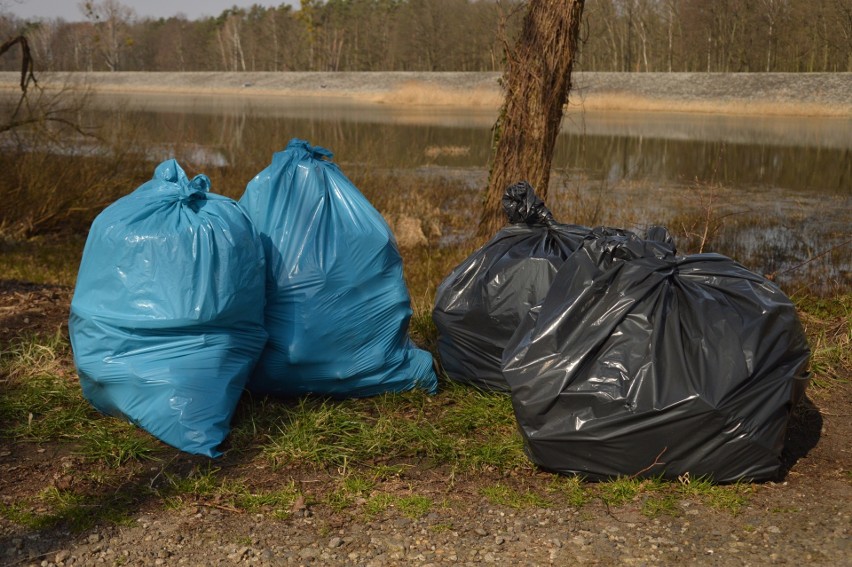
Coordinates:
[193,9]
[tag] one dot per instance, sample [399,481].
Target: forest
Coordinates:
[726,36]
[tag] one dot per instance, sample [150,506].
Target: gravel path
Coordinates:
[803,519]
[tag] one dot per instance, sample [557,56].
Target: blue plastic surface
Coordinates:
[167,316]
[337,306]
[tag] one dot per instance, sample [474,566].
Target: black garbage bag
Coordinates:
[642,362]
[479,305]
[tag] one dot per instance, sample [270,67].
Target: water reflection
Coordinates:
[793,167]
[782,185]
[796,153]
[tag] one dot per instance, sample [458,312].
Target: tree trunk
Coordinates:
[536,81]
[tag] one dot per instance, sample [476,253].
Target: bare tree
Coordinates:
[42,36]
[111,18]
[230,43]
[537,82]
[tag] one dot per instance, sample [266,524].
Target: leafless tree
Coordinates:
[111,18]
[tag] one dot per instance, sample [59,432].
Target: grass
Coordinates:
[413,506]
[361,450]
[622,490]
[116,442]
[77,511]
[828,324]
[207,486]
[465,428]
[570,490]
[350,489]
[729,498]
[502,495]
[43,402]
[42,259]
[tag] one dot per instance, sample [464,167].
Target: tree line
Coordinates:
[443,35]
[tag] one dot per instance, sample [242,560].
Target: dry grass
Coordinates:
[438,151]
[416,93]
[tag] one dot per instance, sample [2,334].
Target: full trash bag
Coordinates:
[643,362]
[167,316]
[338,309]
[479,305]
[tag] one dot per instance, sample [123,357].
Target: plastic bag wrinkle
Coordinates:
[338,310]
[479,305]
[630,381]
[167,316]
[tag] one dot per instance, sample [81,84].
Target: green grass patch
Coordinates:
[828,325]
[43,402]
[75,511]
[619,491]
[569,489]
[351,488]
[731,498]
[662,504]
[460,427]
[206,484]
[115,442]
[279,501]
[378,504]
[41,259]
[825,308]
[414,506]
[422,329]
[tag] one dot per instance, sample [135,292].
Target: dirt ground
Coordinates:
[803,518]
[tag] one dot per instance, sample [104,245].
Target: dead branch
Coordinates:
[27,75]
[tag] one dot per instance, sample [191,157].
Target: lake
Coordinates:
[775,192]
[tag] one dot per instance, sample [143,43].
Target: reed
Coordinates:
[416,93]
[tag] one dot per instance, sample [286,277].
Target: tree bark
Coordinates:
[537,81]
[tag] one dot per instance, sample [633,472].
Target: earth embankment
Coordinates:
[819,94]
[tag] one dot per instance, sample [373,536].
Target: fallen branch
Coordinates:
[656,462]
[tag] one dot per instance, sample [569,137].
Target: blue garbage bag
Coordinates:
[167,315]
[337,308]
